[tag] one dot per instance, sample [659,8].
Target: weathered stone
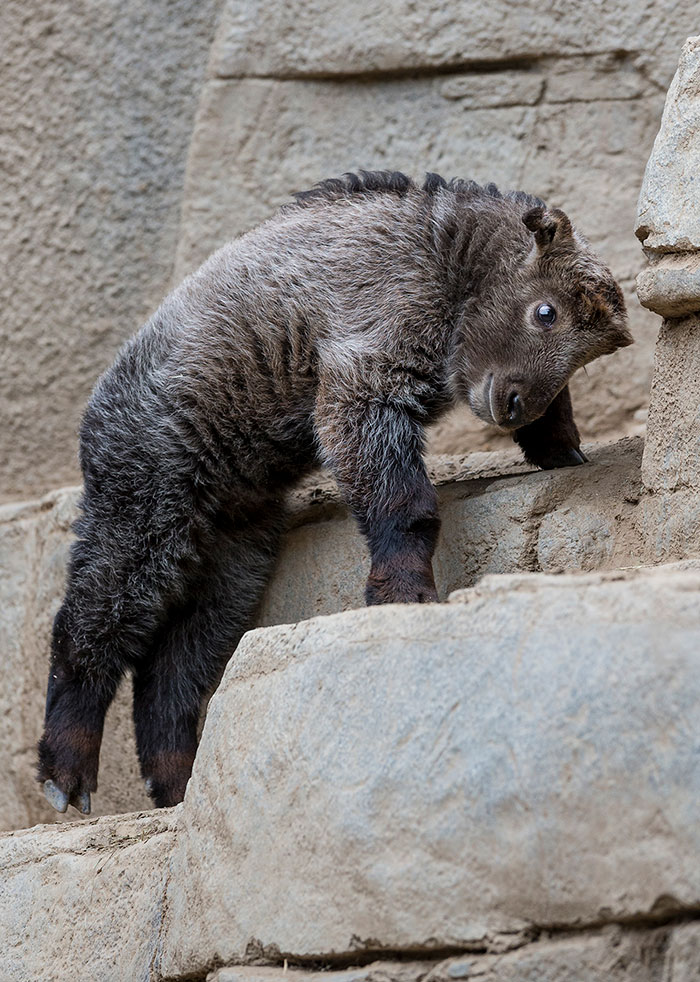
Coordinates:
[476,91]
[613,954]
[447,775]
[271,37]
[84,901]
[596,78]
[671,285]
[495,519]
[669,204]
[672,450]
[97,106]
[683,954]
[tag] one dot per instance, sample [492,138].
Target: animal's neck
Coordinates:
[479,240]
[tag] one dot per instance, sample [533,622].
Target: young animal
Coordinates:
[332,333]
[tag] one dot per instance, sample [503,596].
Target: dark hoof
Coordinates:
[563,458]
[59,799]
[81,802]
[56,798]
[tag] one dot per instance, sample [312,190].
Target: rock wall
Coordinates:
[98,101]
[98,108]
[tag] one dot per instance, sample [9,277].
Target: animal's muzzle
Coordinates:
[506,403]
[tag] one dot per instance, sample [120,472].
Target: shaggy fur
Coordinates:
[332,333]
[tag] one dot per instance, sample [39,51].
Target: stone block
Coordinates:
[420,778]
[612,954]
[496,517]
[668,217]
[271,37]
[672,449]
[84,901]
[670,285]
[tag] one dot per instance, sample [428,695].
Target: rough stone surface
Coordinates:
[84,901]
[669,203]
[96,114]
[672,451]
[587,156]
[497,517]
[671,285]
[274,37]
[683,954]
[417,777]
[613,954]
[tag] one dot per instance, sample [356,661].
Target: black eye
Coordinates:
[546,314]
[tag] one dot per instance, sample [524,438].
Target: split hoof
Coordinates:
[81,802]
[59,799]
[56,798]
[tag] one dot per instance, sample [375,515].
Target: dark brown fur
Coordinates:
[333,333]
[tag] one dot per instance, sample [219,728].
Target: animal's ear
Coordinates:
[551,228]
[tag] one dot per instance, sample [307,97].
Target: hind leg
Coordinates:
[115,601]
[192,649]
[78,696]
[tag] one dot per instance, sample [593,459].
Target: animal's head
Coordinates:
[536,321]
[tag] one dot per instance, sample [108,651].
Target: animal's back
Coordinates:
[222,378]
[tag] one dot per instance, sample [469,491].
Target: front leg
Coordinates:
[552,440]
[374,446]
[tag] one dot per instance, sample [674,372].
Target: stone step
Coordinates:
[495,773]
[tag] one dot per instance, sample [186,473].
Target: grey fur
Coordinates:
[333,332]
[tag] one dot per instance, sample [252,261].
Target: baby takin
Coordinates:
[332,334]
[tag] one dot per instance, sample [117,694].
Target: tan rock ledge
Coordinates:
[422,778]
[84,901]
[409,780]
[671,286]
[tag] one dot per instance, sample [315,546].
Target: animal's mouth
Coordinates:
[490,390]
[481,400]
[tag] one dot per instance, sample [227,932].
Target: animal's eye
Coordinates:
[546,314]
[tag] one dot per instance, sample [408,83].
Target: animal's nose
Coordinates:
[514,408]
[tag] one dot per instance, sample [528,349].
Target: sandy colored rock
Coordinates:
[271,37]
[417,777]
[670,286]
[84,901]
[498,517]
[669,203]
[672,450]
[613,954]
[97,106]
[683,954]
